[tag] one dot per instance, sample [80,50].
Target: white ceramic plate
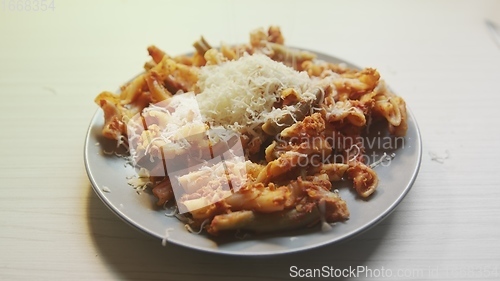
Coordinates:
[108,175]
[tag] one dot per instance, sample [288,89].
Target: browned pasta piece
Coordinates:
[156,53]
[176,76]
[149,65]
[156,88]
[275,36]
[258,38]
[186,60]
[400,130]
[199,60]
[323,69]
[334,171]
[259,198]
[202,46]
[290,96]
[285,163]
[364,179]
[345,111]
[131,91]
[313,69]
[228,53]
[318,190]
[114,127]
[354,85]
[163,191]
[389,108]
[213,56]
[289,56]
[252,196]
[312,125]
[248,220]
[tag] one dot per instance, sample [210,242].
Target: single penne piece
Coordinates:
[214,57]
[354,85]
[114,127]
[344,111]
[400,130]
[334,171]
[364,179]
[156,88]
[156,53]
[163,191]
[259,198]
[131,91]
[261,223]
[286,162]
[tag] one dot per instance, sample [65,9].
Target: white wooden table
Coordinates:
[438,55]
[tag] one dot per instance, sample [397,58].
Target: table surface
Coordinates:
[438,55]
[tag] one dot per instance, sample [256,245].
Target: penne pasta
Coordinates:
[252,137]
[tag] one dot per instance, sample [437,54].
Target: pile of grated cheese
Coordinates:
[239,95]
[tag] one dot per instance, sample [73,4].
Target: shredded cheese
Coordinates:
[383,159]
[238,94]
[141,182]
[167,235]
[184,121]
